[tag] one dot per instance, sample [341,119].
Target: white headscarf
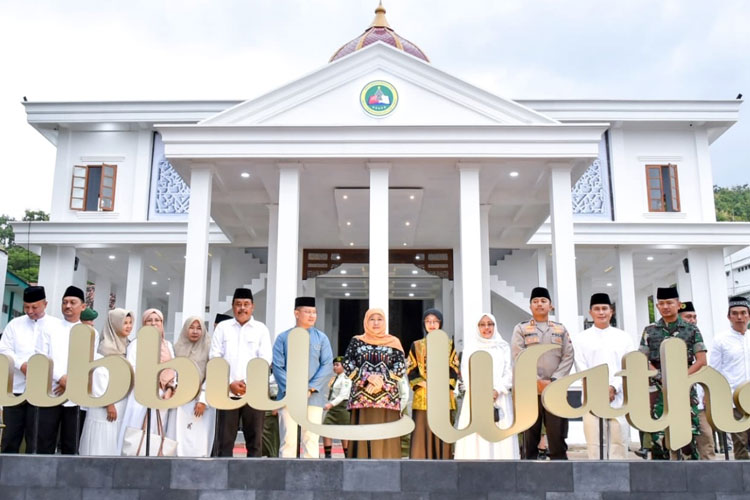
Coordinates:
[197,351]
[495,341]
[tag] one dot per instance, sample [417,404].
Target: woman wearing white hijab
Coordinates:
[134,411]
[100,431]
[473,447]
[194,422]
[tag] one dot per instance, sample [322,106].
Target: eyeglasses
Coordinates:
[485,325]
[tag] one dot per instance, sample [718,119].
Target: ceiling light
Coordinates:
[245,175]
[348,223]
[347,294]
[112,257]
[343,271]
[415,271]
[609,269]
[417,257]
[609,284]
[346,197]
[414,285]
[411,196]
[404,243]
[338,257]
[650,258]
[169,293]
[344,285]
[351,243]
[513,174]
[407,223]
[411,295]
[154,283]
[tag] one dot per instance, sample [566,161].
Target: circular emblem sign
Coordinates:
[378,98]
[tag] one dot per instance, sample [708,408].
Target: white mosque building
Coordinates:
[381,181]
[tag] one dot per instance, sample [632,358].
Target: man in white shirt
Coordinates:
[598,345]
[66,419]
[730,355]
[238,341]
[18,342]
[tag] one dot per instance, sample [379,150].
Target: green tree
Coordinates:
[21,262]
[732,203]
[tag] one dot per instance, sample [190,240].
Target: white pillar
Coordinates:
[484,211]
[214,285]
[458,313]
[471,251]
[379,204]
[134,287]
[563,248]
[196,251]
[102,291]
[3,268]
[705,176]
[173,304]
[142,170]
[273,234]
[541,263]
[708,283]
[287,248]
[447,305]
[641,308]
[627,316]
[56,274]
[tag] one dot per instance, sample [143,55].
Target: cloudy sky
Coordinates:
[231,49]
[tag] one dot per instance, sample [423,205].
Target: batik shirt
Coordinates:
[417,372]
[362,360]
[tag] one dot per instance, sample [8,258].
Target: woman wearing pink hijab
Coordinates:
[134,411]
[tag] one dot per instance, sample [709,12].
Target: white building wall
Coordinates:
[507,316]
[636,145]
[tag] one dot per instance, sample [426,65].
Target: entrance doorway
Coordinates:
[405,320]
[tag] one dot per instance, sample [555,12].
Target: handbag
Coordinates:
[134,443]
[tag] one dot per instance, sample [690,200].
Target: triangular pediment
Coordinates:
[331,96]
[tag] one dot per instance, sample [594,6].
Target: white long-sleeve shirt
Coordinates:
[53,341]
[340,390]
[19,342]
[730,355]
[595,346]
[238,344]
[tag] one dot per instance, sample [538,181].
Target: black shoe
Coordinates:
[642,452]
[543,454]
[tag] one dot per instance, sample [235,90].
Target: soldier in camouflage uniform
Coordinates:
[671,325]
[551,366]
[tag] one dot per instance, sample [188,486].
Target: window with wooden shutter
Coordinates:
[78,188]
[93,188]
[107,188]
[663,188]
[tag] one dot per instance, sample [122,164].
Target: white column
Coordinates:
[56,274]
[484,211]
[563,248]
[214,287]
[447,305]
[142,170]
[81,276]
[134,287]
[622,199]
[173,304]
[708,283]
[471,251]
[641,308]
[102,290]
[196,252]
[3,268]
[273,234]
[627,315]
[287,248]
[379,204]
[458,300]
[541,263]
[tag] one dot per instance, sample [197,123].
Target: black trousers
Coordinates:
[19,423]
[557,431]
[252,428]
[62,420]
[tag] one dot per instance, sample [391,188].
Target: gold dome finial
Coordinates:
[380,21]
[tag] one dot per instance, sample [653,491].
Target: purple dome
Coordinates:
[379,31]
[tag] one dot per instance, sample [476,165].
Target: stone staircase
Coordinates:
[257,285]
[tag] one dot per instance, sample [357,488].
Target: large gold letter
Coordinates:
[148,367]
[7,398]
[480,392]
[81,367]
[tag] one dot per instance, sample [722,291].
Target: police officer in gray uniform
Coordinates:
[551,366]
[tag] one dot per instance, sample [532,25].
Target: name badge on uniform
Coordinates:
[531,339]
[557,338]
